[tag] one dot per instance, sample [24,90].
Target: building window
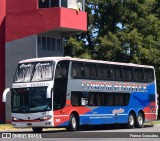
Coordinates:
[73,4]
[54,3]
[39,42]
[44,43]
[63,3]
[49,44]
[44,3]
[53,44]
[59,45]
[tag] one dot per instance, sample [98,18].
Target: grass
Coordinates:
[8,127]
[152,122]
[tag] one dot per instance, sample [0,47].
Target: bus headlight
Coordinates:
[15,119]
[46,118]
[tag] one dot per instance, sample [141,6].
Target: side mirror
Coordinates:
[49,92]
[6,91]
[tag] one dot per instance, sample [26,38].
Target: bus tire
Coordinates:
[131,120]
[37,129]
[73,123]
[140,120]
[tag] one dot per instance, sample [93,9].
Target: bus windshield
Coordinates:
[31,100]
[39,71]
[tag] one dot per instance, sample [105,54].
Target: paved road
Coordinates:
[91,133]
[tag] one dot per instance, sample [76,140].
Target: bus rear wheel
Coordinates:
[73,123]
[131,120]
[37,129]
[140,120]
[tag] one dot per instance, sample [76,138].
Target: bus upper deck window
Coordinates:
[62,69]
[115,73]
[77,70]
[103,72]
[90,71]
[148,75]
[127,73]
[138,74]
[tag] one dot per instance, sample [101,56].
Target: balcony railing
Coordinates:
[73,4]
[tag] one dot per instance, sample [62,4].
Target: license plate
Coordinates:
[29,124]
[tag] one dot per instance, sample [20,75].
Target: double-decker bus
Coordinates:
[70,92]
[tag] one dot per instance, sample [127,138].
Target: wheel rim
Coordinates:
[131,120]
[140,120]
[74,122]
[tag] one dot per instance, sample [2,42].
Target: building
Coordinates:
[35,28]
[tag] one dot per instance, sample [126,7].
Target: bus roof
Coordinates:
[83,60]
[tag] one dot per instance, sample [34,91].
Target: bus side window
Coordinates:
[62,69]
[79,98]
[115,73]
[110,99]
[91,99]
[99,99]
[127,73]
[90,71]
[77,70]
[148,75]
[138,74]
[87,71]
[103,72]
[75,99]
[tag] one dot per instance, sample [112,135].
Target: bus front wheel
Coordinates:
[73,123]
[140,120]
[37,129]
[131,120]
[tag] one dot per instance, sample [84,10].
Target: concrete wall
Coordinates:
[2,57]
[17,50]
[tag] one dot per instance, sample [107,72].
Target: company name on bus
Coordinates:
[113,86]
[30,85]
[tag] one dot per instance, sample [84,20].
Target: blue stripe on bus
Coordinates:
[104,114]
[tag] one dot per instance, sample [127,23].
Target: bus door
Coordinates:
[60,90]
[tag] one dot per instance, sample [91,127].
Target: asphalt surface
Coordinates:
[101,133]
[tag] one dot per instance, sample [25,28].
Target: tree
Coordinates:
[120,30]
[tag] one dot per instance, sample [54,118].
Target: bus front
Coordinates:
[31,95]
